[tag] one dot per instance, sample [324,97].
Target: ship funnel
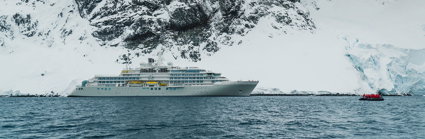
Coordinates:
[151,60]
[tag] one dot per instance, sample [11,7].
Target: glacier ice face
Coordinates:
[388,69]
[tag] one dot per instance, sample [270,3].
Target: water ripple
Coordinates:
[212,117]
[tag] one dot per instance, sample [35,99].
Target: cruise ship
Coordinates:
[153,79]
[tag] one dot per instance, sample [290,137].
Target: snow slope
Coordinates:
[59,53]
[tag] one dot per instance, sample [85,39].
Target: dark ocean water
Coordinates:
[212,117]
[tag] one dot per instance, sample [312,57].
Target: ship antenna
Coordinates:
[127,65]
[151,61]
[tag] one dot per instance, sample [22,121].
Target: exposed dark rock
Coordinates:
[85,7]
[108,33]
[26,26]
[4,26]
[192,26]
[184,18]
[20,20]
[149,4]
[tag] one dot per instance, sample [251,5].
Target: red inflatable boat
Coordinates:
[372,97]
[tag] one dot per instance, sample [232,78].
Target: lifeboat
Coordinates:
[372,97]
[151,82]
[135,82]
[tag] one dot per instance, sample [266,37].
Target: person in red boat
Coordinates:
[372,97]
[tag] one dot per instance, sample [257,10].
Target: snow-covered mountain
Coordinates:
[187,28]
[48,45]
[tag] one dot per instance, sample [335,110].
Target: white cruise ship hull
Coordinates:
[229,88]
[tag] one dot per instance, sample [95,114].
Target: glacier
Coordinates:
[386,68]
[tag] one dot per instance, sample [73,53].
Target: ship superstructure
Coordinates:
[152,79]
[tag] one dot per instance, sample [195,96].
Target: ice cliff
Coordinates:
[388,69]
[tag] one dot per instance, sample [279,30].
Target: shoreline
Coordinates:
[322,95]
[206,96]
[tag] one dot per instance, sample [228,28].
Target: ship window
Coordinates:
[151,88]
[159,88]
[163,70]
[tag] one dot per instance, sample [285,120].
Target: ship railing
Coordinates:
[247,80]
[105,75]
